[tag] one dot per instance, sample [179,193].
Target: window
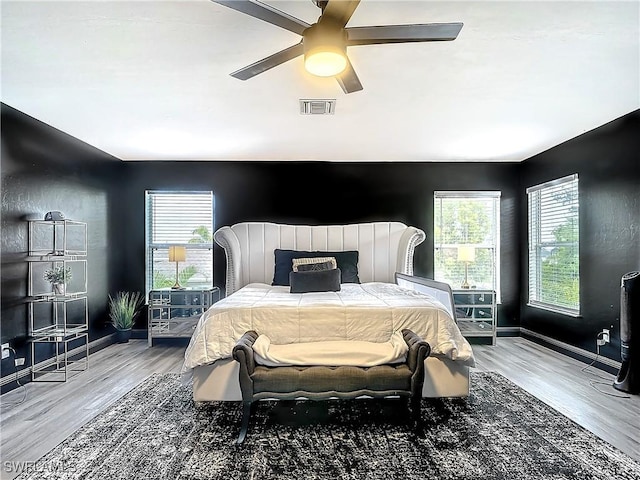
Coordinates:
[181,219]
[467,239]
[554,276]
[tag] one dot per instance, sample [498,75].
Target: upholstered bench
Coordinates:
[259,382]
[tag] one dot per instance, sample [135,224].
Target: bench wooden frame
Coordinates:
[258,382]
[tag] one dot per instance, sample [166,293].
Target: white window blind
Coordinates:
[467,221]
[184,219]
[554,273]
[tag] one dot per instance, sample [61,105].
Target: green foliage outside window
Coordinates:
[182,218]
[162,280]
[554,270]
[560,277]
[201,235]
[465,221]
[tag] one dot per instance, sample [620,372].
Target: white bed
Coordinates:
[370,311]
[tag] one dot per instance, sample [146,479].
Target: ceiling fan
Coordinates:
[324,43]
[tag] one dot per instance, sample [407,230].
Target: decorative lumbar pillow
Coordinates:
[315,281]
[314,263]
[347,263]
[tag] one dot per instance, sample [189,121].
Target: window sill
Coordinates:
[554,309]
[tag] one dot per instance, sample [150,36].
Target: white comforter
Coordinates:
[369,312]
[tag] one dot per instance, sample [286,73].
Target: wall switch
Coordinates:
[5,351]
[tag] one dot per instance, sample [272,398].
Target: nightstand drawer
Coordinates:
[175,313]
[476,313]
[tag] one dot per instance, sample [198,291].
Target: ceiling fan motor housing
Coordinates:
[325,39]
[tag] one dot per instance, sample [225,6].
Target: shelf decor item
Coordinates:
[466,254]
[123,309]
[58,277]
[177,254]
[54,216]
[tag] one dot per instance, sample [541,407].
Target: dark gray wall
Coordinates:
[607,161]
[338,193]
[42,170]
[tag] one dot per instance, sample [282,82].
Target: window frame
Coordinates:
[496,196]
[534,248]
[150,246]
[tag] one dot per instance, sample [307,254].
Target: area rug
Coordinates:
[499,432]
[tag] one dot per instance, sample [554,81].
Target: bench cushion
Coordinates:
[343,379]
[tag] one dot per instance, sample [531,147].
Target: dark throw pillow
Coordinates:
[315,281]
[347,263]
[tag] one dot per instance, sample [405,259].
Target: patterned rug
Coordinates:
[500,432]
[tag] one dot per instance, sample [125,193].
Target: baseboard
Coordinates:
[570,349]
[508,331]
[563,347]
[94,346]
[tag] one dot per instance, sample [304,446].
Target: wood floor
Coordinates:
[52,411]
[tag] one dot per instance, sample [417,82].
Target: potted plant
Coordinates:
[58,277]
[123,309]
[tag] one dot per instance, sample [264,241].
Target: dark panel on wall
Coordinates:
[607,161]
[44,169]
[324,192]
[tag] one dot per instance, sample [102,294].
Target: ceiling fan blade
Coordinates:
[340,11]
[348,79]
[266,13]
[427,32]
[269,62]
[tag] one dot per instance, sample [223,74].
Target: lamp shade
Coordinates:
[466,253]
[177,253]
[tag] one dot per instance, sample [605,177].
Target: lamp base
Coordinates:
[465,284]
[177,285]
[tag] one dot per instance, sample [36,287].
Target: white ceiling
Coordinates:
[149,79]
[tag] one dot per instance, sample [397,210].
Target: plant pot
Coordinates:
[123,336]
[58,288]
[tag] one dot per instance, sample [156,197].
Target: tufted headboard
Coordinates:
[384,248]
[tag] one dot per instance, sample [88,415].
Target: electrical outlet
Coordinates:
[5,351]
[603,337]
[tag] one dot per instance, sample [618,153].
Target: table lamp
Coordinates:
[177,254]
[466,254]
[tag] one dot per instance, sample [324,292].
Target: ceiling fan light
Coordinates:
[325,61]
[325,51]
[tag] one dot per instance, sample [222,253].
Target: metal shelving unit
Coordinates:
[58,318]
[174,313]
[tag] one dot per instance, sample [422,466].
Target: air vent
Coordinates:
[317,106]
